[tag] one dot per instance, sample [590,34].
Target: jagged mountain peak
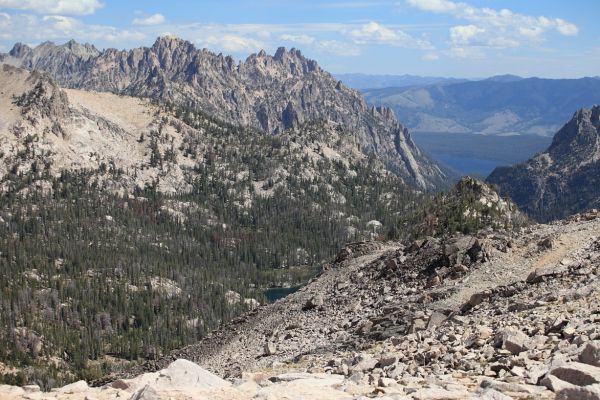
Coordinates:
[172,42]
[563,179]
[19,50]
[82,49]
[580,134]
[271,93]
[282,53]
[291,61]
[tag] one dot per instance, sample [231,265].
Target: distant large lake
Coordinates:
[470,166]
[478,155]
[274,294]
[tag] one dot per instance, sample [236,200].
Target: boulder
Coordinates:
[232,298]
[270,349]
[184,374]
[251,303]
[364,327]
[578,374]
[546,243]
[478,298]
[508,387]
[549,270]
[553,383]
[535,372]
[440,394]
[591,392]
[313,302]
[387,360]
[492,394]
[31,388]
[434,281]
[9,391]
[514,341]
[146,393]
[417,325]
[364,363]
[437,318]
[591,354]
[76,387]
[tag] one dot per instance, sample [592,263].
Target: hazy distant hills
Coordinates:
[502,105]
[367,81]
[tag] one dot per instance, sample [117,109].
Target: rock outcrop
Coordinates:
[562,180]
[271,93]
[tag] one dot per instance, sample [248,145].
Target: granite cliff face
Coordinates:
[272,93]
[562,180]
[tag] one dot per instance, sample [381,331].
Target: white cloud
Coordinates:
[463,34]
[155,19]
[68,7]
[430,57]
[60,23]
[338,48]
[440,6]
[263,34]
[465,52]
[355,4]
[32,29]
[494,28]
[232,43]
[566,28]
[301,39]
[375,33]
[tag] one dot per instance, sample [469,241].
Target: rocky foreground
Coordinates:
[498,315]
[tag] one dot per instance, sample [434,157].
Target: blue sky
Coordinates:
[470,38]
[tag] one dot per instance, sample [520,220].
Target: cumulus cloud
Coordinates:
[430,57]
[232,43]
[354,4]
[338,48]
[155,19]
[439,6]
[494,28]
[68,7]
[465,52]
[375,33]
[465,33]
[566,28]
[301,39]
[32,28]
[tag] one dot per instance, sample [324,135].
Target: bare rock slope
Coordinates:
[272,93]
[128,143]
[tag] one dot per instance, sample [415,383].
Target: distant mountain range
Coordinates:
[502,105]
[366,81]
[270,93]
[564,179]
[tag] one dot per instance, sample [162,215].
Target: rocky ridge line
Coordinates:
[272,93]
[561,180]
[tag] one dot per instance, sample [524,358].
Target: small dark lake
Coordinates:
[274,294]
